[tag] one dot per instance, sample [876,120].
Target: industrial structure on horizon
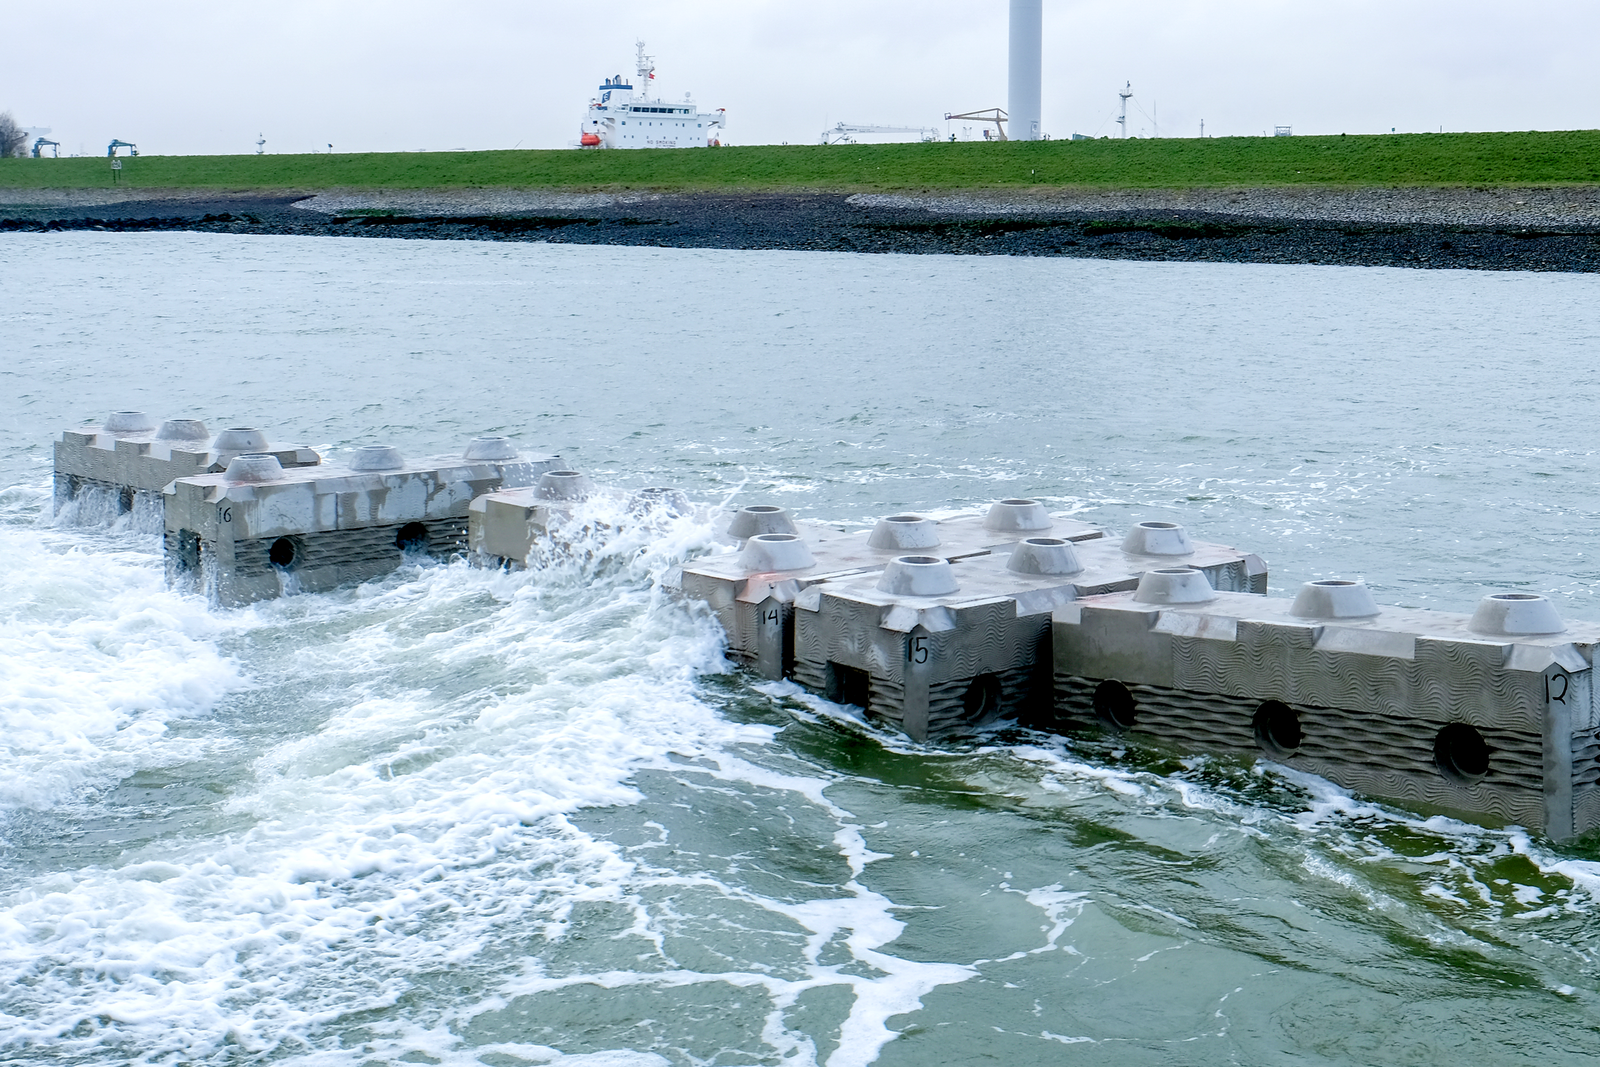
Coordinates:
[1025,66]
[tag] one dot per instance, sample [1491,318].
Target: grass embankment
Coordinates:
[1452,159]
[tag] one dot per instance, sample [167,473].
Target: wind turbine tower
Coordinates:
[1027,62]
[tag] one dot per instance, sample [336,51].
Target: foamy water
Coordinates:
[478,817]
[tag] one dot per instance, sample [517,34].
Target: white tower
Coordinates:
[1027,62]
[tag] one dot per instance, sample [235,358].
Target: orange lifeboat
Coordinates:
[590,140]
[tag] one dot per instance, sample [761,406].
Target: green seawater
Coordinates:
[474,817]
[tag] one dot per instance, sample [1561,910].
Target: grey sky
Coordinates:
[182,76]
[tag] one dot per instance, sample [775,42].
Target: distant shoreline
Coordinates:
[1483,161]
[1553,228]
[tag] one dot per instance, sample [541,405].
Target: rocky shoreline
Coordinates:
[1555,229]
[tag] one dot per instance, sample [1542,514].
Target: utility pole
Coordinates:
[1123,119]
[1202,129]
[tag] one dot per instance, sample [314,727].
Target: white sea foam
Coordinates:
[97,661]
[94,506]
[393,832]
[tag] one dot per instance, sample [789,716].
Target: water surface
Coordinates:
[473,817]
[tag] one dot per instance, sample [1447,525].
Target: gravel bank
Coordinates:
[1484,229]
[1567,206]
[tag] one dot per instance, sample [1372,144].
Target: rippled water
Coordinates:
[473,817]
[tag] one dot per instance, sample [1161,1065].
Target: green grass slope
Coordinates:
[1459,159]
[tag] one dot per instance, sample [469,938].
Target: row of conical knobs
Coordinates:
[772,543]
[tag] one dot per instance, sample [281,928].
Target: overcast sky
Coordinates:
[208,76]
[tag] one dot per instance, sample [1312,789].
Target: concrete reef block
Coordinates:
[257,530]
[754,602]
[510,527]
[1492,716]
[751,589]
[128,460]
[565,516]
[939,647]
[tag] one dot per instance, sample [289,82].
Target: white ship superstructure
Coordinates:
[625,116]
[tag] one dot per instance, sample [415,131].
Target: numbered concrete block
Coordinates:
[938,648]
[1491,715]
[121,466]
[753,597]
[751,590]
[257,530]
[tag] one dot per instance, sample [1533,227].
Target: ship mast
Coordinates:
[647,68]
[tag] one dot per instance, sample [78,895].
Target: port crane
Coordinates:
[995,115]
[844,132]
[111,149]
[43,142]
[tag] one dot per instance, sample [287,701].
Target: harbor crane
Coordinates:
[44,142]
[111,149]
[844,132]
[995,115]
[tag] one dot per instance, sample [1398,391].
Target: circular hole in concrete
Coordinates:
[1113,705]
[281,554]
[413,537]
[1277,728]
[758,509]
[1046,542]
[1461,753]
[1019,501]
[903,518]
[919,561]
[1515,596]
[1158,525]
[1332,583]
[982,698]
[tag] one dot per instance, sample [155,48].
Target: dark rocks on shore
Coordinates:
[833,223]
